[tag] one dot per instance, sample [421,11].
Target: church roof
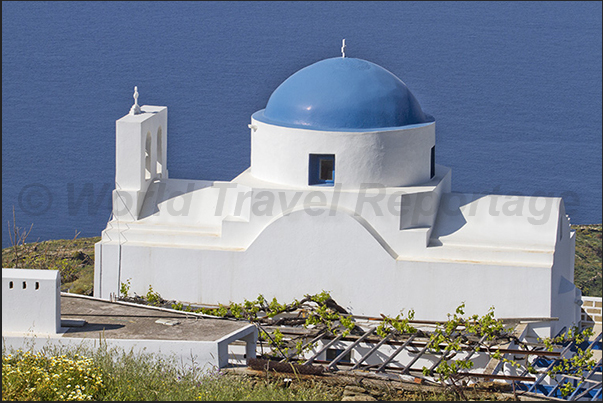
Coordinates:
[343,94]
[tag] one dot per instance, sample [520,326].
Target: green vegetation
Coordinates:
[579,363]
[587,273]
[82,373]
[74,258]
[33,376]
[322,312]
[76,373]
[113,374]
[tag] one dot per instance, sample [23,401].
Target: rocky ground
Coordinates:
[347,387]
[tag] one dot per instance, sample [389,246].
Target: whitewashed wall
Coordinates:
[390,158]
[339,256]
[31,301]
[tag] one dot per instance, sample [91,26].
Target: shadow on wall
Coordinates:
[450,217]
[177,195]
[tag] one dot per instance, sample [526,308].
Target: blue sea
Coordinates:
[515,88]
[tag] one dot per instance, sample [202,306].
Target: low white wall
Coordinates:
[31,301]
[204,355]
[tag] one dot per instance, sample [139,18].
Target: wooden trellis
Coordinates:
[419,345]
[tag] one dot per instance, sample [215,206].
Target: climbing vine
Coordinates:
[319,311]
[399,323]
[579,363]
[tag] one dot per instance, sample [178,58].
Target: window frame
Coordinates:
[314,171]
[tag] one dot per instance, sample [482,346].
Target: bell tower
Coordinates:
[140,157]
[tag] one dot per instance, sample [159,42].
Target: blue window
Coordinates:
[322,169]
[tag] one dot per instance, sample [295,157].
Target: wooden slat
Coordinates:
[420,344]
[326,346]
[410,364]
[586,379]
[544,374]
[465,374]
[398,351]
[333,363]
[443,355]
[588,390]
[314,340]
[481,340]
[372,350]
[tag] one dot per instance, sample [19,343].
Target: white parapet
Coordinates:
[31,301]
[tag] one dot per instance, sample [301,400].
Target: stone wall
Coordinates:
[591,309]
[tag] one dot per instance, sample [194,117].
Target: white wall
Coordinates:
[399,157]
[564,304]
[299,254]
[231,215]
[31,300]
[203,355]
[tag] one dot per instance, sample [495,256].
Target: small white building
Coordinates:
[35,316]
[343,194]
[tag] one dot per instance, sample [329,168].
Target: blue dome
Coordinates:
[343,94]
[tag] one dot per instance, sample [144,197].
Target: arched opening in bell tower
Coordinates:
[147,157]
[159,153]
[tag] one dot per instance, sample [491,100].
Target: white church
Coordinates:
[343,194]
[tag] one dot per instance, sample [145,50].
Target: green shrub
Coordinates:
[153,297]
[33,376]
[79,373]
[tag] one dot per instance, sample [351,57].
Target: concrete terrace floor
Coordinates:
[115,320]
